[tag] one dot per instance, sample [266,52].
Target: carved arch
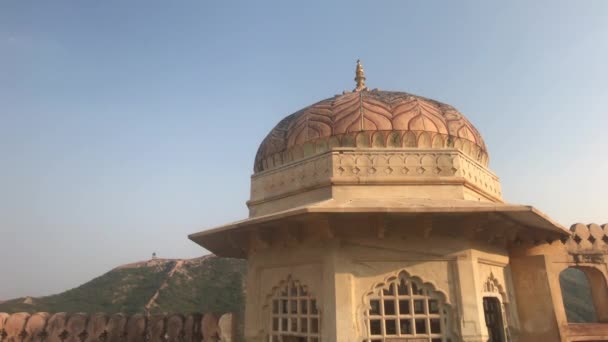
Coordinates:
[393,276]
[291,311]
[405,306]
[493,285]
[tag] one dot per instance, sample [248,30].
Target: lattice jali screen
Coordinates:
[294,314]
[406,310]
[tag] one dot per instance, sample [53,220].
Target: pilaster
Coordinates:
[339,312]
[471,320]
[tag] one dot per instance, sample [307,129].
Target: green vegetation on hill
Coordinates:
[207,284]
[120,290]
[216,287]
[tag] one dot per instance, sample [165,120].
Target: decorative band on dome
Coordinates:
[379,139]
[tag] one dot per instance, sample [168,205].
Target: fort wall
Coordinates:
[100,327]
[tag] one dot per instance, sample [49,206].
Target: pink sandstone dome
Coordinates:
[369,119]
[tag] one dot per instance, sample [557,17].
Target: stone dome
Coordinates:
[379,119]
[369,119]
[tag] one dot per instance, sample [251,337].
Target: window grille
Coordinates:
[406,310]
[294,314]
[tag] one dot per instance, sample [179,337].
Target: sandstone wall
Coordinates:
[99,327]
[536,268]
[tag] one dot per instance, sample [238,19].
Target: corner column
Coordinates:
[471,316]
[339,313]
[533,289]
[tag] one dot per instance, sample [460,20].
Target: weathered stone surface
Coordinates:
[76,327]
[210,328]
[3,317]
[116,328]
[96,328]
[192,328]
[34,327]
[56,327]
[136,328]
[174,328]
[226,327]
[589,242]
[99,327]
[15,325]
[156,328]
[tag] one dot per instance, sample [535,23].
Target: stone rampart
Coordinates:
[100,327]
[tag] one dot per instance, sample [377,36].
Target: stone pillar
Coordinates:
[254,320]
[339,314]
[471,317]
[533,289]
[344,317]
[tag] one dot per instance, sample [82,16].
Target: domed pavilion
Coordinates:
[373,216]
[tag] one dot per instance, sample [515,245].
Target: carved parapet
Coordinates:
[226,325]
[369,166]
[589,241]
[99,327]
[14,327]
[478,175]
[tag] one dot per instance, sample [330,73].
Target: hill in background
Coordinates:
[205,284]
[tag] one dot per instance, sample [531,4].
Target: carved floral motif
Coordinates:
[493,285]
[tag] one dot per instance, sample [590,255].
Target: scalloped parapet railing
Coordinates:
[374,166]
[591,239]
[100,327]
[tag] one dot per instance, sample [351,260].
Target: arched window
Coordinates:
[492,311]
[406,308]
[294,314]
[494,302]
[577,296]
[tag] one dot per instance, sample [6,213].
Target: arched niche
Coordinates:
[584,294]
[495,303]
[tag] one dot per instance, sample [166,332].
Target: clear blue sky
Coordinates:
[126,125]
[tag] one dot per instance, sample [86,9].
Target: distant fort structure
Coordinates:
[374,217]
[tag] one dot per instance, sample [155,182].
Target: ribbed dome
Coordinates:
[379,119]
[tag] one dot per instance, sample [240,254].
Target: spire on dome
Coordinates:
[360,77]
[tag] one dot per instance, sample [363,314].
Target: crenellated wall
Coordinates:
[100,327]
[587,241]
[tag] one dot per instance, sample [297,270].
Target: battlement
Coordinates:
[591,239]
[100,327]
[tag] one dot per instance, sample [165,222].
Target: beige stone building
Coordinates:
[374,217]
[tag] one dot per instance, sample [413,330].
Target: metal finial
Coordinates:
[360,77]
